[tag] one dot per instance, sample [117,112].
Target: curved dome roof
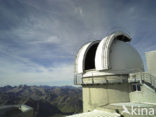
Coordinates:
[80,59]
[111,55]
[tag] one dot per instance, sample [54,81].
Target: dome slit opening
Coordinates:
[89,62]
[122,38]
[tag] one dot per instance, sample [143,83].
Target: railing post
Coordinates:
[140,78]
[92,79]
[82,78]
[76,80]
[75,77]
[151,80]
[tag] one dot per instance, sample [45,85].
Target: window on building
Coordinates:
[136,87]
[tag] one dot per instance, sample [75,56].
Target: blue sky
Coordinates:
[39,39]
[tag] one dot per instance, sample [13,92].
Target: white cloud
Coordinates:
[50,40]
[16,73]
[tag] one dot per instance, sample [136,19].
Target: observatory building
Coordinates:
[111,73]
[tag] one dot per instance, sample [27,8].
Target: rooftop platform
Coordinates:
[16,111]
[121,110]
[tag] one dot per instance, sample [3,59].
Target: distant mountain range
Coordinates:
[47,101]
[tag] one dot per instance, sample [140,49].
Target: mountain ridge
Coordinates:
[47,101]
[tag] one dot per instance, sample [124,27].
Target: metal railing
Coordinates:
[91,78]
[150,79]
[144,77]
[78,79]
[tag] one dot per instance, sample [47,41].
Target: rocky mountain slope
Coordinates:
[47,101]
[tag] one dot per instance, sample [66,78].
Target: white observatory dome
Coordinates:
[111,55]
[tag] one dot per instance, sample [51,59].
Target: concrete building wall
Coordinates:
[151,62]
[100,95]
[118,93]
[94,96]
[146,94]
